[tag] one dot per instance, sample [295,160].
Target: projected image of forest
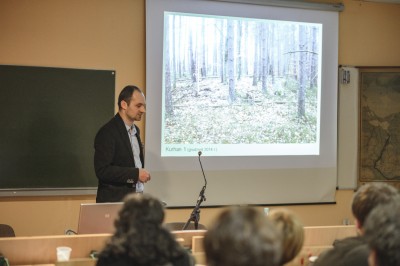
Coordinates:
[240,81]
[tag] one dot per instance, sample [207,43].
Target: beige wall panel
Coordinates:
[106,34]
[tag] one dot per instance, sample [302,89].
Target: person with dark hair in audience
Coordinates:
[242,236]
[292,233]
[118,155]
[140,239]
[354,250]
[382,231]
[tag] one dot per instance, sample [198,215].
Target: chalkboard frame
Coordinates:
[49,117]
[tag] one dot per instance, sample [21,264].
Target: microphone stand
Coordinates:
[195,215]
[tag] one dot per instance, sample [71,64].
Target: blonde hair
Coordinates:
[292,232]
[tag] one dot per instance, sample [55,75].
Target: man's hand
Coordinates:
[144,175]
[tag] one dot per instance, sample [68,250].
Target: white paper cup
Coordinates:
[63,253]
[311,260]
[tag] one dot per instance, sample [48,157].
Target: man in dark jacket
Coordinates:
[118,158]
[354,250]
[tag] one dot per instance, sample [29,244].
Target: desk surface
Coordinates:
[42,249]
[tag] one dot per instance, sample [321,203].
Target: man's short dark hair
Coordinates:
[369,196]
[126,94]
[242,236]
[382,231]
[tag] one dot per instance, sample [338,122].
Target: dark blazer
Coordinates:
[351,251]
[113,161]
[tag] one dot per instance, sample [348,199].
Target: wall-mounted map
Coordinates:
[379,157]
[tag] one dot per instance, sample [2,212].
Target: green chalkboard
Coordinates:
[48,121]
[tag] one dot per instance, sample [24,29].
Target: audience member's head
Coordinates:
[242,236]
[139,210]
[355,250]
[382,231]
[140,238]
[369,196]
[292,233]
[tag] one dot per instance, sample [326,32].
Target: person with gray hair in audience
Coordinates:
[242,236]
[354,250]
[382,232]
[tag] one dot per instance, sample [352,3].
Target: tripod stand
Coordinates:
[195,215]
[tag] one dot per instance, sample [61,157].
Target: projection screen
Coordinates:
[251,88]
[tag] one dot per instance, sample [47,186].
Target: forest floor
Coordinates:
[204,113]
